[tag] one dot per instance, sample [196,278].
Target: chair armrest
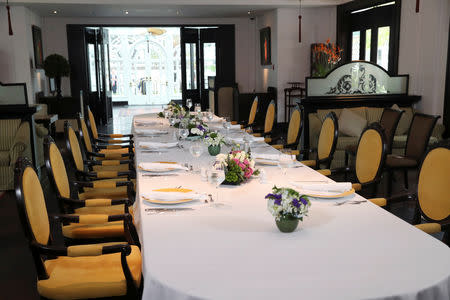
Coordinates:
[94,202]
[109,174]
[103,184]
[91,219]
[82,250]
[108,155]
[113,141]
[116,146]
[20,143]
[115,135]
[107,162]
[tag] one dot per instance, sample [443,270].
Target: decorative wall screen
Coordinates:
[355,79]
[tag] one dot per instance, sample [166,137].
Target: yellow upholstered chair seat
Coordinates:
[278,147]
[89,276]
[429,227]
[326,172]
[119,168]
[379,201]
[309,163]
[357,186]
[93,231]
[110,193]
[120,150]
[103,210]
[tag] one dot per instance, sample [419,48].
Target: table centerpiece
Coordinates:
[214,140]
[238,166]
[288,207]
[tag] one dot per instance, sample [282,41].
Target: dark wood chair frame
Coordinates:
[327,160]
[374,183]
[389,139]
[390,170]
[297,140]
[40,252]
[261,130]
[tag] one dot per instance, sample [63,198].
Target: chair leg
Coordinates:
[405,175]
[416,217]
[389,183]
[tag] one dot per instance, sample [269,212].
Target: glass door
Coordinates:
[190,64]
[208,61]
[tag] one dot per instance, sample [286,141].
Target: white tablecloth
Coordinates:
[235,251]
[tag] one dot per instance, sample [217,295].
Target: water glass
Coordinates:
[209,115]
[196,150]
[285,161]
[215,177]
[171,121]
[227,123]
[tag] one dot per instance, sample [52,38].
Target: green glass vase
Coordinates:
[214,150]
[287,223]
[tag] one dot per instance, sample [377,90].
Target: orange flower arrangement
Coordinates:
[325,57]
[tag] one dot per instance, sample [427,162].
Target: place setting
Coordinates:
[160,168]
[175,199]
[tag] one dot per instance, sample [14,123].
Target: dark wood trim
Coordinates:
[446,111]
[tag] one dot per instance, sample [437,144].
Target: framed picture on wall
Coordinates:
[37,46]
[264,41]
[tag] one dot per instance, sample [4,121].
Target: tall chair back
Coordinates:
[389,121]
[295,126]
[371,154]
[73,147]
[91,123]
[328,139]
[270,117]
[253,110]
[433,187]
[56,169]
[84,134]
[419,133]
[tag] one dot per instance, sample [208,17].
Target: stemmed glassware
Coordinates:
[227,123]
[209,115]
[183,131]
[196,150]
[171,121]
[215,177]
[285,161]
[198,108]
[189,104]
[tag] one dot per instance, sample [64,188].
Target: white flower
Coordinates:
[196,131]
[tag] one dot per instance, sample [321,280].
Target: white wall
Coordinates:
[16,51]
[55,39]
[423,51]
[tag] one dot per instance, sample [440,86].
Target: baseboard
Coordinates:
[120,103]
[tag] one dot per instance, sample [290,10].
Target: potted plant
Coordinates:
[56,66]
[324,58]
[213,140]
[288,207]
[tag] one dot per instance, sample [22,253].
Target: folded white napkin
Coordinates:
[274,157]
[157,167]
[157,145]
[151,121]
[235,126]
[257,138]
[149,131]
[173,196]
[339,187]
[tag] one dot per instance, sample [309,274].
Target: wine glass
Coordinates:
[196,150]
[171,121]
[197,108]
[215,177]
[285,161]
[209,115]
[227,123]
[189,104]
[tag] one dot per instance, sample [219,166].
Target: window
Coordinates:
[369,30]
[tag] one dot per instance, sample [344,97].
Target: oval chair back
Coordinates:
[91,123]
[270,117]
[328,139]
[73,147]
[433,186]
[32,209]
[370,154]
[253,110]
[56,169]
[389,121]
[295,126]
[419,134]
[84,134]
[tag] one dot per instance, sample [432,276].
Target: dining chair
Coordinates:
[419,133]
[327,143]
[72,195]
[433,195]
[388,121]
[102,138]
[107,152]
[80,165]
[78,271]
[268,122]
[251,116]
[294,132]
[370,159]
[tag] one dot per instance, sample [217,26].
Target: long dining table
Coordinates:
[232,249]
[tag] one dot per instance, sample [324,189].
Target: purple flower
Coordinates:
[201,128]
[277,201]
[275,197]
[304,201]
[296,203]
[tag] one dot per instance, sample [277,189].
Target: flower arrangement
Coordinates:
[199,130]
[324,58]
[239,166]
[286,202]
[175,110]
[214,139]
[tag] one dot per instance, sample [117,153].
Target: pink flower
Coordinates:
[242,166]
[246,161]
[248,173]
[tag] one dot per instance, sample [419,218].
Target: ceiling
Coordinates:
[163,8]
